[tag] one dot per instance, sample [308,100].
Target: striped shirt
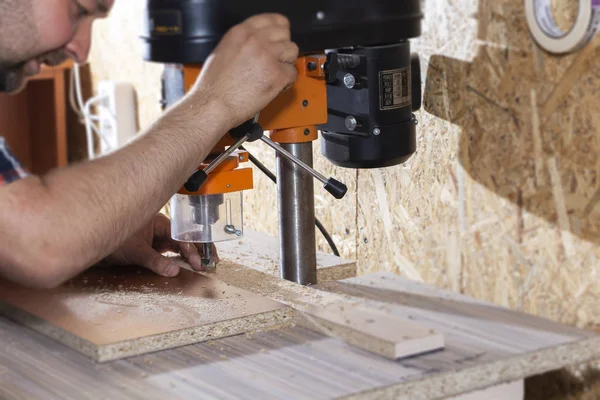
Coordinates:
[10,168]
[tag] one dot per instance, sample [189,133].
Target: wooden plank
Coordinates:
[370,328]
[297,363]
[115,313]
[368,325]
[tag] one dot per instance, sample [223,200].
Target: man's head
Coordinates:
[36,32]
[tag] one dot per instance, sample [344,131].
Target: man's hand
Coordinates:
[252,64]
[89,210]
[145,249]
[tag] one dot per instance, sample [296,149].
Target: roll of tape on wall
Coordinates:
[551,37]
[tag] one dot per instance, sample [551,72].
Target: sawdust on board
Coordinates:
[149,301]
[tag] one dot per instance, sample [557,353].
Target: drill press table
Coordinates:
[486,346]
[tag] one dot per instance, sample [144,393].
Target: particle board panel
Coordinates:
[297,363]
[109,314]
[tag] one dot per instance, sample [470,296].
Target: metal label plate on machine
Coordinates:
[395,88]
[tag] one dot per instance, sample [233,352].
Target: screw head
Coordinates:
[376,131]
[228,185]
[320,15]
[305,103]
[311,66]
[306,132]
[349,81]
[351,123]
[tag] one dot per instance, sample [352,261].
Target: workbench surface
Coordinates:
[486,346]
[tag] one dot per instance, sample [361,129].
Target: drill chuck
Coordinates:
[206,218]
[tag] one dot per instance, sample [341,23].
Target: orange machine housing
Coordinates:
[291,118]
[227,177]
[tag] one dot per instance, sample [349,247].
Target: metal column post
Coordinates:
[295,195]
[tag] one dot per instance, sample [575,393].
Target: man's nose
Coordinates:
[79,46]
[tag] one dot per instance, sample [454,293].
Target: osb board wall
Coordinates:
[499,203]
[500,200]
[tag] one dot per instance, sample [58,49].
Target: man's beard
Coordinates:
[14,78]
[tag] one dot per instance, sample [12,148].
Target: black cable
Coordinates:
[327,237]
[318,223]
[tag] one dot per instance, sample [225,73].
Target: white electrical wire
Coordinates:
[84,111]
[74,106]
[95,101]
[77,78]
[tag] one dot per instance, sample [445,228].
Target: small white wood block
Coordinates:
[378,332]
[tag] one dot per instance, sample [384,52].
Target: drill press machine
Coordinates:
[358,84]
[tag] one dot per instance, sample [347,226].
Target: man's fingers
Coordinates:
[162,235]
[291,73]
[190,253]
[285,51]
[147,257]
[162,225]
[262,20]
[274,33]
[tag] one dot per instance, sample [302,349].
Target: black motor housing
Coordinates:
[371,102]
[186,31]
[365,39]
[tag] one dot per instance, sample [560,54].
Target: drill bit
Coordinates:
[209,261]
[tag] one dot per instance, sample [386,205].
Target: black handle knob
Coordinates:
[242,130]
[336,188]
[250,128]
[256,132]
[331,67]
[196,181]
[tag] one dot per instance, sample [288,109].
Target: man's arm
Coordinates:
[53,227]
